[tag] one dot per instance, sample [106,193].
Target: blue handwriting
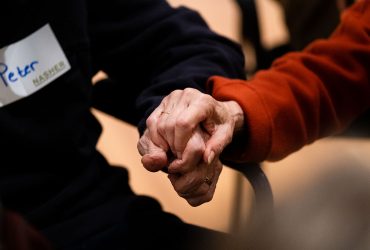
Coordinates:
[11,76]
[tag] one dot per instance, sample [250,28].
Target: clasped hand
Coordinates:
[185,136]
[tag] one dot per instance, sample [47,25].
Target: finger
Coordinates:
[152,126]
[154,158]
[199,107]
[217,142]
[196,182]
[201,191]
[154,163]
[191,156]
[189,182]
[196,200]
[167,122]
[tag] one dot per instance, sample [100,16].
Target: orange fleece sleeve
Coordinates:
[305,95]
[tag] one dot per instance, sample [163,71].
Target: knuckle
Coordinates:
[199,150]
[193,202]
[150,121]
[189,91]
[165,99]
[176,92]
[208,197]
[206,98]
[184,124]
[179,189]
[203,191]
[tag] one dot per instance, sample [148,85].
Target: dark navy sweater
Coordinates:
[50,170]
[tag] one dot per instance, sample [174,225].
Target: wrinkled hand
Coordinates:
[191,128]
[192,178]
[180,113]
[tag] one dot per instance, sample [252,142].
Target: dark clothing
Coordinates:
[17,234]
[51,172]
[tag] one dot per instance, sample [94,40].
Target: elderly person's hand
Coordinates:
[192,128]
[192,178]
[181,112]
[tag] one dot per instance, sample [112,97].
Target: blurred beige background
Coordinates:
[290,175]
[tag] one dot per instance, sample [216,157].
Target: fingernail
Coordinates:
[211,157]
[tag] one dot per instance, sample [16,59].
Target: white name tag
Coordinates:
[30,64]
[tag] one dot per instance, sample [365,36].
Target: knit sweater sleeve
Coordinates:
[305,95]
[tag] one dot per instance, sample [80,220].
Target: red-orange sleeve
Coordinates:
[305,95]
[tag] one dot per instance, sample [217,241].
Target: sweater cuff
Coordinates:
[255,144]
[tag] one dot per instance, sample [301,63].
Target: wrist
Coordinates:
[237,115]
